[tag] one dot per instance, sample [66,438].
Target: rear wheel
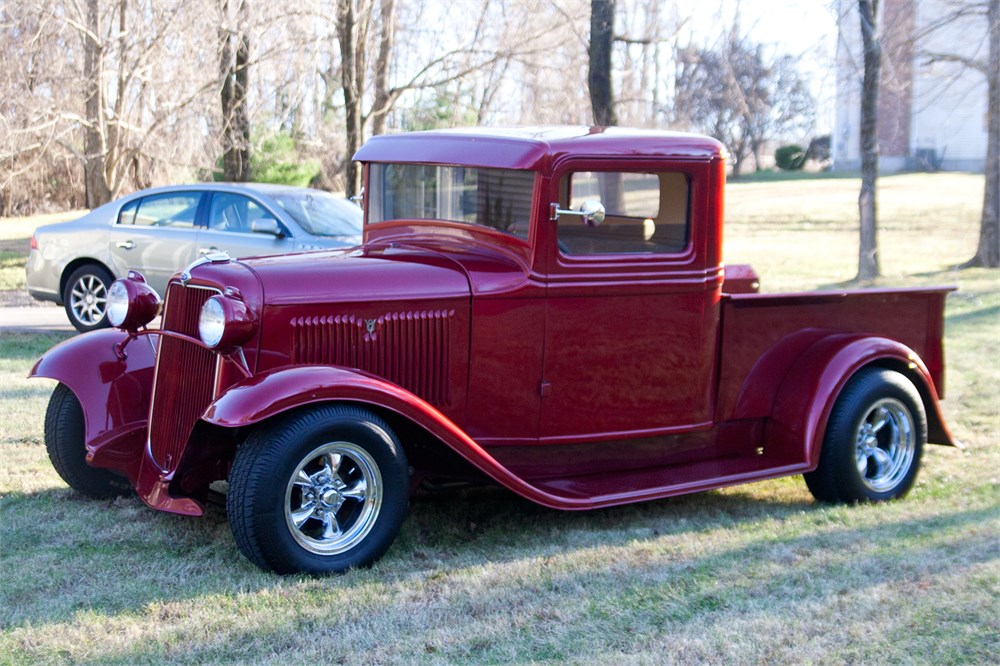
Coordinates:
[318,491]
[64,441]
[86,297]
[874,440]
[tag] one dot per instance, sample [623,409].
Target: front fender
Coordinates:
[268,394]
[114,393]
[808,392]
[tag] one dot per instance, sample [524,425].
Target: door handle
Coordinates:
[207,250]
[125,245]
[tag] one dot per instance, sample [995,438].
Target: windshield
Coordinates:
[495,198]
[321,214]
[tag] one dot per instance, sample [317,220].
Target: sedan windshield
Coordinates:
[495,198]
[322,214]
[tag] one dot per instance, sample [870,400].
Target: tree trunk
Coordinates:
[868,259]
[352,84]
[988,253]
[380,110]
[602,29]
[235,82]
[97,191]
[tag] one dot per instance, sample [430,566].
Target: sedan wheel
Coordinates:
[86,297]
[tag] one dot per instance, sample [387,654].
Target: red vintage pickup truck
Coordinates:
[543,308]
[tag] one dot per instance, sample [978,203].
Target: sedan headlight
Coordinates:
[132,303]
[226,322]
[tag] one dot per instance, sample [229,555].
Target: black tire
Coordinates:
[85,297]
[64,442]
[295,508]
[874,440]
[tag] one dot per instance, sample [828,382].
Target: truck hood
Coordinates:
[363,274]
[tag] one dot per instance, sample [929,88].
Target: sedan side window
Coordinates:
[238,214]
[644,213]
[172,210]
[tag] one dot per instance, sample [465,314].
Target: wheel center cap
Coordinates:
[330,496]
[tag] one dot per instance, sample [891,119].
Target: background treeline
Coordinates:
[102,97]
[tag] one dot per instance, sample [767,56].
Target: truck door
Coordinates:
[632,308]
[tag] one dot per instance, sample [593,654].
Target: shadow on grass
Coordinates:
[169,558]
[980,316]
[64,554]
[603,603]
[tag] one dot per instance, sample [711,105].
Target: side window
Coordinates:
[644,213]
[172,210]
[236,213]
[127,214]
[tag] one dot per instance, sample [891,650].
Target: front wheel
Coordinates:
[874,440]
[318,491]
[64,442]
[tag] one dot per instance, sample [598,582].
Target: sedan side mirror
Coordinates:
[591,210]
[267,225]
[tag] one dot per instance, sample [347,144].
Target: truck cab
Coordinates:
[542,308]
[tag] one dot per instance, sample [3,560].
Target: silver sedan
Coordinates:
[159,231]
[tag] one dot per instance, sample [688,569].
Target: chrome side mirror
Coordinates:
[591,210]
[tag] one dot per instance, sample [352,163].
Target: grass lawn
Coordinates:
[755,573]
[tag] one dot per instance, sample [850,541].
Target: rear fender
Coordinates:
[808,392]
[114,393]
[268,394]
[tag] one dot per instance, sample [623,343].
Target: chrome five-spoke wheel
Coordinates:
[318,490]
[333,498]
[874,439]
[885,445]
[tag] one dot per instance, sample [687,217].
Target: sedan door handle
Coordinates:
[125,245]
[207,250]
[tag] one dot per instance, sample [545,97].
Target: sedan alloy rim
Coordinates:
[89,299]
[333,498]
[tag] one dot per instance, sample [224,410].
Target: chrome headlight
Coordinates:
[117,303]
[132,303]
[226,322]
[212,323]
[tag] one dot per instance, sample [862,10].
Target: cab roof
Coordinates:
[534,148]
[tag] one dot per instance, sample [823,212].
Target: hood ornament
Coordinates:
[211,258]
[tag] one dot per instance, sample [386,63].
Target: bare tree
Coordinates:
[602,33]
[988,248]
[736,93]
[234,70]
[988,252]
[868,260]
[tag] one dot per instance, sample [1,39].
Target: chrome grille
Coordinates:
[185,377]
[411,349]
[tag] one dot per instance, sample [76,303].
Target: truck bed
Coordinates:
[765,334]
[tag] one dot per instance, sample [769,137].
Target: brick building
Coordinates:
[932,111]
